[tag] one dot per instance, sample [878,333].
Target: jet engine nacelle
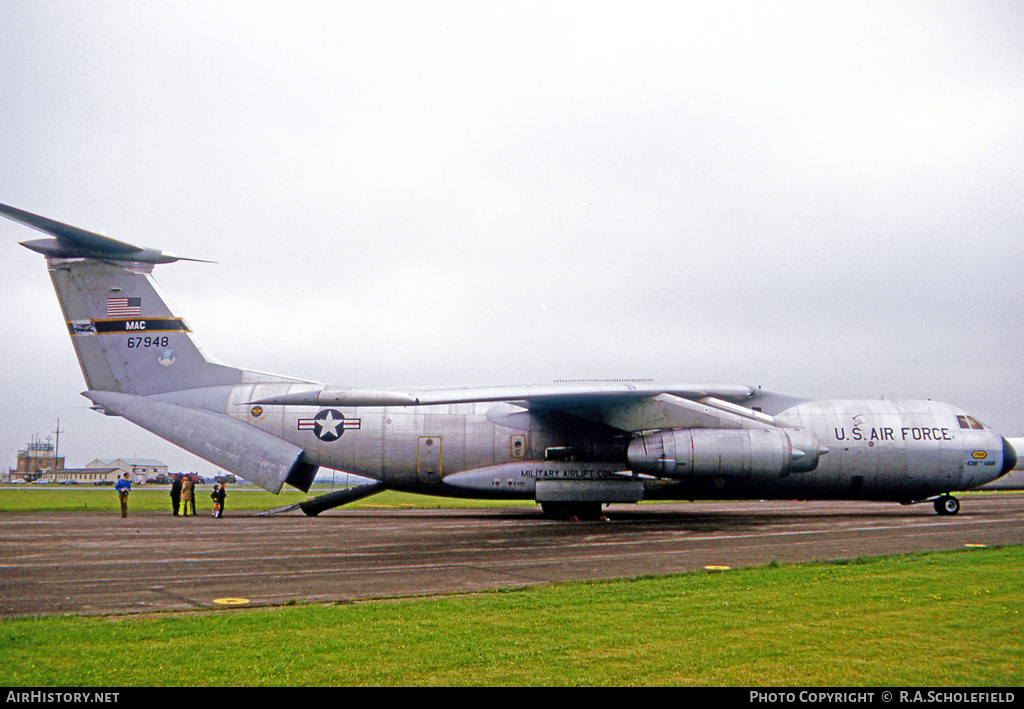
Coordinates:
[724,452]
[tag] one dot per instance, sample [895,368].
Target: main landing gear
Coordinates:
[947,505]
[572,510]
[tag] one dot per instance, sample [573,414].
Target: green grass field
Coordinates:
[938,619]
[241,498]
[89,498]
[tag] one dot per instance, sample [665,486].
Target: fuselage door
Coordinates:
[429,459]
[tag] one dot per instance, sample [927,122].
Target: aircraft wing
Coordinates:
[623,405]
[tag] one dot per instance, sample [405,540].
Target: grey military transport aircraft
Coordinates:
[572,447]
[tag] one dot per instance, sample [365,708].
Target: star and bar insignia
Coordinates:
[329,424]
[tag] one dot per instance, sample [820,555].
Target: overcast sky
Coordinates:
[823,199]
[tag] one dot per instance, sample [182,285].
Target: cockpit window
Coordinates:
[970,422]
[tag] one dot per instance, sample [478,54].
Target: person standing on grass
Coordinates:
[123,487]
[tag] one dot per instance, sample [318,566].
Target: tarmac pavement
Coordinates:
[97,563]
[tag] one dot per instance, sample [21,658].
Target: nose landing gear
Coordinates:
[947,505]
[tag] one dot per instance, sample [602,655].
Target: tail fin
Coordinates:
[131,345]
[128,340]
[126,337]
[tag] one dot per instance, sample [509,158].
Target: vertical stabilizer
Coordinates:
[131,346]
[126,337]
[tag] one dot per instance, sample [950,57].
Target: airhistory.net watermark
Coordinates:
[53,697]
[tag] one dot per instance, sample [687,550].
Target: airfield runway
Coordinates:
[96,563]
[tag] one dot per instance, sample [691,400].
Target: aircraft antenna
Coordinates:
[56,451]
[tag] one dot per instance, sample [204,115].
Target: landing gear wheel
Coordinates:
[947,505]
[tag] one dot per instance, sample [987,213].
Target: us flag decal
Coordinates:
[124,307]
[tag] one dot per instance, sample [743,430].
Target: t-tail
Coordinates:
[141,361]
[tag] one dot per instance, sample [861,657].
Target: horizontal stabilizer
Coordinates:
[252,454]
[72,242]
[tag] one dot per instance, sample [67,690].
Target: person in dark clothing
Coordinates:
[221,494]
[213,496]
[176,494]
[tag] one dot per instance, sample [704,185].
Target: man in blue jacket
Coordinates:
[123,487]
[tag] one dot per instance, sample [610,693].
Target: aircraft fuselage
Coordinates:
[876,450]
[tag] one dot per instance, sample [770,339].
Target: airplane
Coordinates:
[573,447]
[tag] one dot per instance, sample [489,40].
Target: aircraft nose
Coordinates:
[1009,457]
